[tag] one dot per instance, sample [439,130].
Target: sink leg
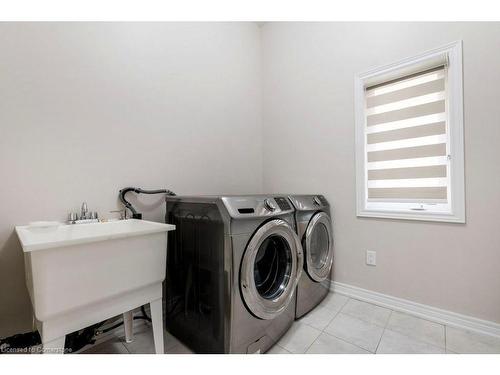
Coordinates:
[127,323]
[55,346]
[157,320]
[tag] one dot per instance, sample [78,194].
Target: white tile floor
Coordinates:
[341,325]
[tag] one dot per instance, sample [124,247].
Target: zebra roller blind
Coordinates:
[406,139]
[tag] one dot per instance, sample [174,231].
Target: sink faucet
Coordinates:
[86,216]
[84,212]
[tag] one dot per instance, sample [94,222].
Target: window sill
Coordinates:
[419,216]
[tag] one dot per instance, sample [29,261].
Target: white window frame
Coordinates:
[455,210]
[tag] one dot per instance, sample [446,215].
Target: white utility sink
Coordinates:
[81,274]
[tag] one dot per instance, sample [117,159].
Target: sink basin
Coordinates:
[81,274]
[34,237]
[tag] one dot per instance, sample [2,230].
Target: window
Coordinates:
[409,138]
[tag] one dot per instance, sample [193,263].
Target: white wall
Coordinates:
[86,109]
[308,115]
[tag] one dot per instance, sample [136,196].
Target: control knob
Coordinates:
[270,204]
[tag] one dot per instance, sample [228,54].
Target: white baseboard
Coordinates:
[422,311]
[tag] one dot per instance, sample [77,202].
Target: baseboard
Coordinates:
[422,311]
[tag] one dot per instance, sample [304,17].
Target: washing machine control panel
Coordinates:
[283,203]
[257,206]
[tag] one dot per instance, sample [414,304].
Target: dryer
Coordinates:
[314,228]
[233,266]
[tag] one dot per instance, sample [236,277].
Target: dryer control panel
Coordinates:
[309,202]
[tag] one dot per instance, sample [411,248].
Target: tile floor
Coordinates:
[341,325]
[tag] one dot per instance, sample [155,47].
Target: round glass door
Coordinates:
[319,247]
[270,269]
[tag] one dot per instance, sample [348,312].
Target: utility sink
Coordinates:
[78,275]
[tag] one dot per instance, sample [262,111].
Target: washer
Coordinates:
[314,228]
[233,266]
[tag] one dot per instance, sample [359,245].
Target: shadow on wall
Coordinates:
[152,206]
[15,308]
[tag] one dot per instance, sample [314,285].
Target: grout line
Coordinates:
[169,351]
[288,351]
[412,315]
[345,304]
[305,352]
[334,316]
[316,329]
[347,300]
[311,326]
[348,342]
[419,341]
[445,343]
[414,338]
[335,313]
[363,320]
[366,320]
[384,328]
[125,346]
[383,332]
[426,312]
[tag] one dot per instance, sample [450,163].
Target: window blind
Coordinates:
[406,139]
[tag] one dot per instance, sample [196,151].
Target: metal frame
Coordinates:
[259,306]
[319,274]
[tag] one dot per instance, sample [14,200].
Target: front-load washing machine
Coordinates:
[233,265]
[314,228]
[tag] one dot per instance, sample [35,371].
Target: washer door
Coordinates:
[270,269]
[318,247]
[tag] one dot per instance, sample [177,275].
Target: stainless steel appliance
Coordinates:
[314,228]
[232,270]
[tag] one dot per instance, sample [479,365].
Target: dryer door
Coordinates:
[270,269]
[318,247]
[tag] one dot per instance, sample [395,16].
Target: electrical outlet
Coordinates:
[371,258]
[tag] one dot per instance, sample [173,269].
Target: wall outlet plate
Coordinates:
[371,258]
